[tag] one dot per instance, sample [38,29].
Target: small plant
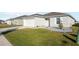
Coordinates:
[37,26]
[60,25]
[76,24]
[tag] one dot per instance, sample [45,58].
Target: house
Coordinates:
[52,19]
[8,22]
[2,22]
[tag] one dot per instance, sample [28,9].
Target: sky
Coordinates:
[8,15]
[13,8]
[75,15]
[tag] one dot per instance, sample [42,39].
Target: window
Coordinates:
[47,19]
[58,20]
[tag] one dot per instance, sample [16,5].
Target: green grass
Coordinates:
[4,25]
[39,37]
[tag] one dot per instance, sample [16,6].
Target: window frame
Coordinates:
[58,20]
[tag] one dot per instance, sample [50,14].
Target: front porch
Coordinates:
[56,29]
[60,30]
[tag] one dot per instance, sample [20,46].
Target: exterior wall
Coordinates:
[41,22]
[29,22]
[67,21]
[53,22]
[35,22]
[17,22]
[8,22]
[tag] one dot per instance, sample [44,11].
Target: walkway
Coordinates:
[3,40]
[7,29]
[60,30]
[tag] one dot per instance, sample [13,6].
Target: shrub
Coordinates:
[76,24]
[60,25]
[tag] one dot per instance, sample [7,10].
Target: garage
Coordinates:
[29,22]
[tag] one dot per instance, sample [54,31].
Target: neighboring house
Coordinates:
[2,22]
[8,22]
[52,19]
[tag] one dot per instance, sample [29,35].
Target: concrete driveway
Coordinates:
[7,29]
[3,40]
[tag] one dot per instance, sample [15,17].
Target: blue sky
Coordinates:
[7,15]
[75,15]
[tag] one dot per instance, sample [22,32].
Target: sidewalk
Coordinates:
[7,29]
[4,41]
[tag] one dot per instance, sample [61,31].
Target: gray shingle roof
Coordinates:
[50,14]
[54,13]
[36,15]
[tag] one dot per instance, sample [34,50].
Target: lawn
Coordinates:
[39,37]
[4,25]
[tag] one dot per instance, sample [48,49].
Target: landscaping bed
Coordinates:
[4,25]
[39,37]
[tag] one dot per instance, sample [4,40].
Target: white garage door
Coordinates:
[29,23]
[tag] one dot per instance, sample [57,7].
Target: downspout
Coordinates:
[49,21]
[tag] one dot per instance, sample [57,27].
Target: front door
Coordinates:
[60,25]
[58,21]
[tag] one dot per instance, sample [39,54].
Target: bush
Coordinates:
[76,24]
[60,25]
[4,25]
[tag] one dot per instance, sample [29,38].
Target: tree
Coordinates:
[60,25]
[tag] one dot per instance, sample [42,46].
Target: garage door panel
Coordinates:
[29,23]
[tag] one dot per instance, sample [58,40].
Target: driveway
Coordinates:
[3,40]
[7,29]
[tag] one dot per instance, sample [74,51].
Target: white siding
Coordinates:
[29,22]
[35,22]
[41,22]
[53,22]
[8,22]
[67,21]
[17,22]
